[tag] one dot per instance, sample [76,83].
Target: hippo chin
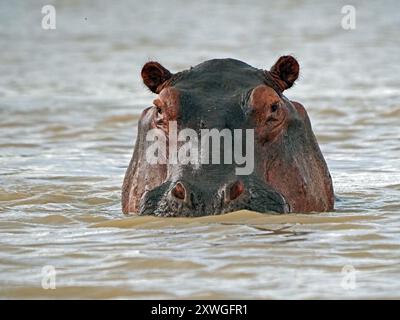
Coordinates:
[286,171]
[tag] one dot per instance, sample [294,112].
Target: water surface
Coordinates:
[69,103]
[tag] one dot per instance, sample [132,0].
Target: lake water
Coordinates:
[69,104]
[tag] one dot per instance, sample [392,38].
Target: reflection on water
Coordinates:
[69,102]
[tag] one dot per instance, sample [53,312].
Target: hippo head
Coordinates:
[268,159]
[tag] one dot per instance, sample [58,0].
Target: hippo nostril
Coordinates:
[179,191]
[234,190]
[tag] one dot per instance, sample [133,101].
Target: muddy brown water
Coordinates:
[69,104]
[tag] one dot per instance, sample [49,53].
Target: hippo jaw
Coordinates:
[290,173]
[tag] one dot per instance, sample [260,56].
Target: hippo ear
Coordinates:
[154,75]
[285,72]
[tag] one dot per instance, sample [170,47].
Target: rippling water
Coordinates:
[69,102]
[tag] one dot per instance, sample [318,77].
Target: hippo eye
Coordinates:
[274,107]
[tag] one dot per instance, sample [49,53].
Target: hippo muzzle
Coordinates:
[188,199]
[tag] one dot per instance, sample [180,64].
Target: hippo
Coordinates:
[288,172]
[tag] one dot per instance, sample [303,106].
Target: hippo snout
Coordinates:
[173,198]
[182,198]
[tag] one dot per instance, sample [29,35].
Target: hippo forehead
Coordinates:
[216,90]
[220,76]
